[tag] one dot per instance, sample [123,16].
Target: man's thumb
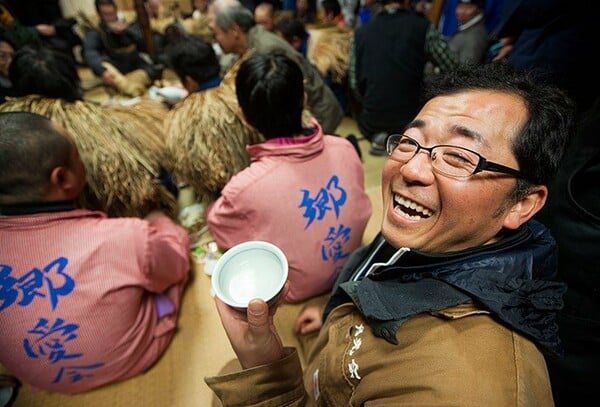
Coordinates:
[258,316]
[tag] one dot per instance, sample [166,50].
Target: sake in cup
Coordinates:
[253,269]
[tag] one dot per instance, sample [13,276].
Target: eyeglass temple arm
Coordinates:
[492,166]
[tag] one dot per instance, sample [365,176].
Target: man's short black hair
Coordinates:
[291,27]
[30,147]
[270,91]
[44,71]
[331,6]
[540,143]
[193,57]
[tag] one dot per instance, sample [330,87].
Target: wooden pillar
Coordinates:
[144,22]
[436,11]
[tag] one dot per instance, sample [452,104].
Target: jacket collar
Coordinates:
[209,84]
[512,278]
[311,146]
[471,22]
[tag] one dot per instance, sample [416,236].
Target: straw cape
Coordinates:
[207,137]
[198,27]
[123,150]
[331,51]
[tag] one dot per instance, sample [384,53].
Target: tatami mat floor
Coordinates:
[200,347]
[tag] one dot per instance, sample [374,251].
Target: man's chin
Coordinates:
[394,235]
[399,236]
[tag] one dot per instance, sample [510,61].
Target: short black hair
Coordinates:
[291,27]
[331,6]
[540,144]
[193,57]
[270,92]
[44,71]
[30,148]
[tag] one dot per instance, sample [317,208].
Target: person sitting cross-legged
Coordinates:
[86,300]
[301,185]
[114,51]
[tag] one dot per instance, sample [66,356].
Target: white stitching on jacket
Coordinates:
[356,344]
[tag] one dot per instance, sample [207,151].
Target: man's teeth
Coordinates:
[409,209]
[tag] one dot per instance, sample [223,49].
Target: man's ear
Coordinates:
[65,184]
[236,28]
[190,84]
[296,42]
[526,207]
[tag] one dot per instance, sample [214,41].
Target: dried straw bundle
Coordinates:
[198,27]
[229,77]
[331,52]
[120,152]
[160,24]
[207,139]
[150,116]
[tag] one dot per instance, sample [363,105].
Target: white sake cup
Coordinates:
[253,269]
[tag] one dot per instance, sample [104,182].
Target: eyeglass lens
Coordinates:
[450,160]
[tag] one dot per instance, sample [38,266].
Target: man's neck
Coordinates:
[30,208]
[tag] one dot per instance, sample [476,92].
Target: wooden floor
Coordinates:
[200,347]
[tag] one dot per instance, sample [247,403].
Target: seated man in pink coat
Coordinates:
[84,300]
[303,191]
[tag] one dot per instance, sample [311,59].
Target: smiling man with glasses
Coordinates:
[455,301]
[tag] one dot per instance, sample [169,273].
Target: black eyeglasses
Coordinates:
[450,160]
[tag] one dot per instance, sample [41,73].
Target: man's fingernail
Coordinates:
[254,307]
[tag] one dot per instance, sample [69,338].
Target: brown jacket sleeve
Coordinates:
[276,384]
